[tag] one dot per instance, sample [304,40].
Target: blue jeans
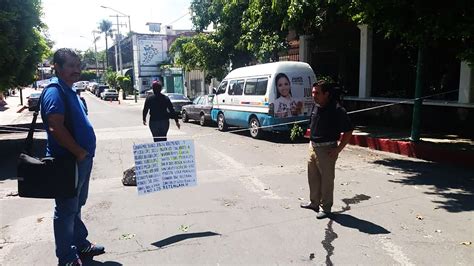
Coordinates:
[70,233]
[159,129]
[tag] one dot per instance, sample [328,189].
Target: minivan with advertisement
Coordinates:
[266,97]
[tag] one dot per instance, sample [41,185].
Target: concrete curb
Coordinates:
[21,109]
[420,150]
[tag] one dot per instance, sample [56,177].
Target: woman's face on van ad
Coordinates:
[283,86]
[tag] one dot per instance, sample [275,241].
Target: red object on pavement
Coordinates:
[308,133]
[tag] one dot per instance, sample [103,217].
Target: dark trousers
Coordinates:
[159,129]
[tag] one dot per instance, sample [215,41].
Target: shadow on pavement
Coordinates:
[177,238]
[454,184]
[359,224]
[10,149]
[105,263]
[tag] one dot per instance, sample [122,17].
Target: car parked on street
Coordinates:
[99,89]
[80,85]
[33,100]
[178,100]
[91,85]
[199,110]
[109,94]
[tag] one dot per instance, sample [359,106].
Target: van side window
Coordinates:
[250,87]
[239,87]
[256,86]
[236,87]
[261,86]
[222,87]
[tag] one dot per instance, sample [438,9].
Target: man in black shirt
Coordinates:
[161,110]
[328,121]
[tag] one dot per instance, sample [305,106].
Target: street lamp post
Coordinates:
[118,40]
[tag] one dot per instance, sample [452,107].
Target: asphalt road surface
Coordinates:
[245,209]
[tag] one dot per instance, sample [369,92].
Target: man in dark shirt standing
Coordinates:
[161,110]
[328,120]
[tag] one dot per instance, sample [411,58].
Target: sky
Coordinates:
[71,22]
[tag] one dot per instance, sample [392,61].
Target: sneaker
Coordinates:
[323,214]
[92,250]
[310,206]
[76,262]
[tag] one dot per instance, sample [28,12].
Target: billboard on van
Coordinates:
[292,97]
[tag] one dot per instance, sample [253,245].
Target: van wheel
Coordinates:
[202,120]
[255,131]
[221,125]
[184,117]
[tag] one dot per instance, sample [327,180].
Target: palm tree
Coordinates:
[105,27]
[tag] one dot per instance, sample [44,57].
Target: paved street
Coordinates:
[245,209]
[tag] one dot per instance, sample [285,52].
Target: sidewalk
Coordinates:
[130,100]
[13,113]
[436,147]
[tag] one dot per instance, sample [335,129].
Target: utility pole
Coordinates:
[116,55]
[118,42]
[129,30]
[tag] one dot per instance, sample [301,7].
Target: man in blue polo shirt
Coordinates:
[69,134]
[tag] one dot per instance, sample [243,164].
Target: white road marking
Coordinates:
[246,176]
[394,251]
[141,133]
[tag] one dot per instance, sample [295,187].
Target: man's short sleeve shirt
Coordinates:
[52,103]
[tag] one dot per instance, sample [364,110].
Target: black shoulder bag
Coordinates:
[47,177]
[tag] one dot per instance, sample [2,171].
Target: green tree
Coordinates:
[88,75]
[263,32]
[125,83]
[105,27]
[202,52]
[226,17]
[88,57]
[111,78]
[420,23]
[307,17]
[21,30]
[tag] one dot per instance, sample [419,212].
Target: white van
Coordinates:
[265,95]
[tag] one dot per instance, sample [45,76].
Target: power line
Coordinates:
[170,23]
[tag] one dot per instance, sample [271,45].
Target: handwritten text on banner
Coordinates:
[164,165]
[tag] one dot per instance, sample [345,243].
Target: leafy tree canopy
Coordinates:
[125,83]
[419,22]
[88,57]
[255,30]
[88,75]
[22,42]
[111,78]
[202,52]
[262,30]
[226,17]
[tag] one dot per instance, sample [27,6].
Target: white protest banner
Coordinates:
[164,165]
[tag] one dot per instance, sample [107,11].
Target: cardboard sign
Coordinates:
[164,165]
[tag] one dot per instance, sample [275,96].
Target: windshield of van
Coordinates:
[222,87]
